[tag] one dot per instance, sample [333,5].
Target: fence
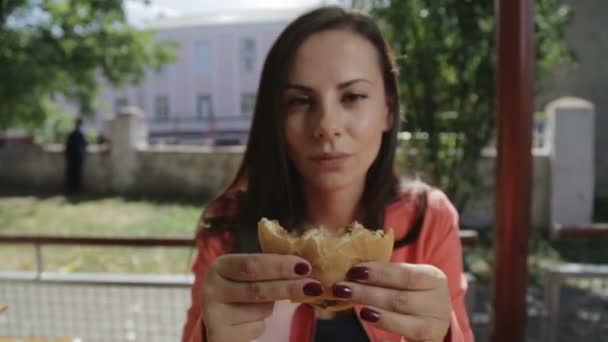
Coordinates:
[100,307]
[94,307]
[210,130]
[576,297]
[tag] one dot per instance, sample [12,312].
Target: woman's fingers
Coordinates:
[260,267]
[227,291]
[421,303]
[239,292]
[413,328]
[400,276]
[411,300]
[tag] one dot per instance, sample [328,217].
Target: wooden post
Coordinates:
[515,83]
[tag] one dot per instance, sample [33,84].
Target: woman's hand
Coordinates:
[410,300]
[240,290]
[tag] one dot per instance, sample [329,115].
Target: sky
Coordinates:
[220,5]
[138,12]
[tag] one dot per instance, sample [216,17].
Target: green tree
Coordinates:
[447,66]
[62,47]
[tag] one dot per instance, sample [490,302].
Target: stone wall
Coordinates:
[185,171]
[180,171]
[127,166]
[480,210]
[32,166]
[198,172]
[562,187]
[41,168]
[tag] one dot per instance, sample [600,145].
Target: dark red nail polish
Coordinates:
[358,273]
[313,289]
[301,268]
[342,291]
[370,315]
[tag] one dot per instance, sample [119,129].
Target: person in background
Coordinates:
[75,151]
[321,152]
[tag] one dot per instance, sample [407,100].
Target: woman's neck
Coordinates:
[334,209]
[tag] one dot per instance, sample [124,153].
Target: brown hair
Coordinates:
[267,184]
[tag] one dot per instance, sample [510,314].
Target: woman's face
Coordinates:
[335,109]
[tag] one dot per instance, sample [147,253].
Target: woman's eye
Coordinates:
[299,101]
[353,97]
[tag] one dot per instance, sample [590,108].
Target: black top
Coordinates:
[342,328]
[76,145]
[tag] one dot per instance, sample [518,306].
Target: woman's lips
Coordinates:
[330,161]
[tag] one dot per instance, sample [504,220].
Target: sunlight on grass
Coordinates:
[97,217]
[107,217]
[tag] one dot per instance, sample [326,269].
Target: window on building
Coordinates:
[203,106]
[119,103]
[161,107]
[202,57]
[248,53]
[161,71]
[247,104]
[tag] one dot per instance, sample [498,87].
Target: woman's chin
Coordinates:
[331,182]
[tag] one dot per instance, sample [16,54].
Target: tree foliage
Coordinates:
[64,47]
[446,53]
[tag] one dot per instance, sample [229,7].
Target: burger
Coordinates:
[331,253]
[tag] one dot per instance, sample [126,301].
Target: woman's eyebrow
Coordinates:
[299,87]
[340,85]
[355,80]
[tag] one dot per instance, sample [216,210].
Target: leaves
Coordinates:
[66,47]
[447,65]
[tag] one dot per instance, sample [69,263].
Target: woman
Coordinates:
[321,152]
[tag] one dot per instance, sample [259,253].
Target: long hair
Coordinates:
[267,184]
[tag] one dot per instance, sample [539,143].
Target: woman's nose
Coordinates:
[327,133]
[327,126]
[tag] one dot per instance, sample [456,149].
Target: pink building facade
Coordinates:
[207,96]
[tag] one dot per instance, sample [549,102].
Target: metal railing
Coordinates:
[179,118]
[100,306]
[576,294]
[94,306]
[592,231]
[40,241]
[211,130]
[468,238]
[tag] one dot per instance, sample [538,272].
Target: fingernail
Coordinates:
[342,291]
[313,289]
[370,315]
[301,268]
[358,273]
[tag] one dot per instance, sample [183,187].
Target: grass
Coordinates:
[115,216]
[112,216]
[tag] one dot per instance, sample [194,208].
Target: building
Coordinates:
[587,78]
[208,95]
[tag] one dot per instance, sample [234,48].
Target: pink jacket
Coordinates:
[438,245]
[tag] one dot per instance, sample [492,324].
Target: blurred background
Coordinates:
[166,89]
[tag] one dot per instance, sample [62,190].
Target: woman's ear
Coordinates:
[390,113]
